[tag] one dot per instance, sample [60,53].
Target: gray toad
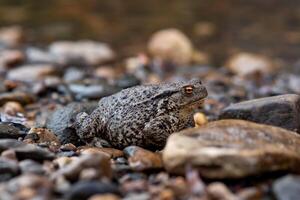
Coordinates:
[142,115]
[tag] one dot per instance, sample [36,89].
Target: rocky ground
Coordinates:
[245,144]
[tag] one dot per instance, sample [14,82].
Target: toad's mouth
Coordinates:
[197,102]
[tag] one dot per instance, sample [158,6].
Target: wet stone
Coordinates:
[233,149]
[282,111]
[287,187]
[85,189]
[25,151]
[141,159]
[61,120]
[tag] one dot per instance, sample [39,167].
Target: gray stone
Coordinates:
[61,120]
[287,188]
[282,111]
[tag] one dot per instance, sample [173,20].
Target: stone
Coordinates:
[13,108]
[9,131]
[287,187]
[111,152]
[31,167]
[20,97]
[11,36]
[282,111]
[27,187]
[141,159]
[219,191]
[247,63]
[32,72]
[8,169]
[200,119]
[83,52]
[26,151]
[61,120]
[99,162]
[104,197]
[171,45]
[86,189]
[36,55]
[73,74]
[233,149]
[11,57]
[92,91]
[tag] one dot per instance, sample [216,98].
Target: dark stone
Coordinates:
[8,169]
[287,188]
[61,120]
[83,190]
[282,111]
[26,151]
[127,81]
[7,130]
[32,167]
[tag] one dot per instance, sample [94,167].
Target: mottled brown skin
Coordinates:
[142,115]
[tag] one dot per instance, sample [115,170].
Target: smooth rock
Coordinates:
[141,159]
[171,45]
[111,152]
[11,57]
[99,162]
[11,36]
[233,149]
[104,197]
[73,74]
[27,187]
[9,131]
[13,108]
[21,97]
[30,73]
[61,120]
[287,187]
[36,55]
[282,111]
[83,52]
[219,191]
[248,63]
[31,167]
[26,151]
[8,169]
[83,190]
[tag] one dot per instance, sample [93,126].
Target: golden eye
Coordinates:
[188,89]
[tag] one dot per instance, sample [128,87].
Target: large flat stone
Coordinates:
[282,111]
[233,149]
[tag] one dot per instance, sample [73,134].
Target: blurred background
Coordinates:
[218,28]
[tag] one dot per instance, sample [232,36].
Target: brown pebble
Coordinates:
[104,197]
[219,191]
[12,108]
[200,119]
[9,154]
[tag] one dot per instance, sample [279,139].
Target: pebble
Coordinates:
[287,187]
[141,159]
[61,120]
[31,167]
[99,162]
[31,72]
[13,108]
[83,52]
[20,97]
[282,111]
[9,131]
[36,55]
[104,197]
[27,187]
[200,119]
[86,189]
[219,191]
[11,36]
[73,75]
[10,58]
[233,149]
[8,169]
[171,45]
[247,63]
[111,152]
[25,151]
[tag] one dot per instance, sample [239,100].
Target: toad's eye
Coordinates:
[188,89]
